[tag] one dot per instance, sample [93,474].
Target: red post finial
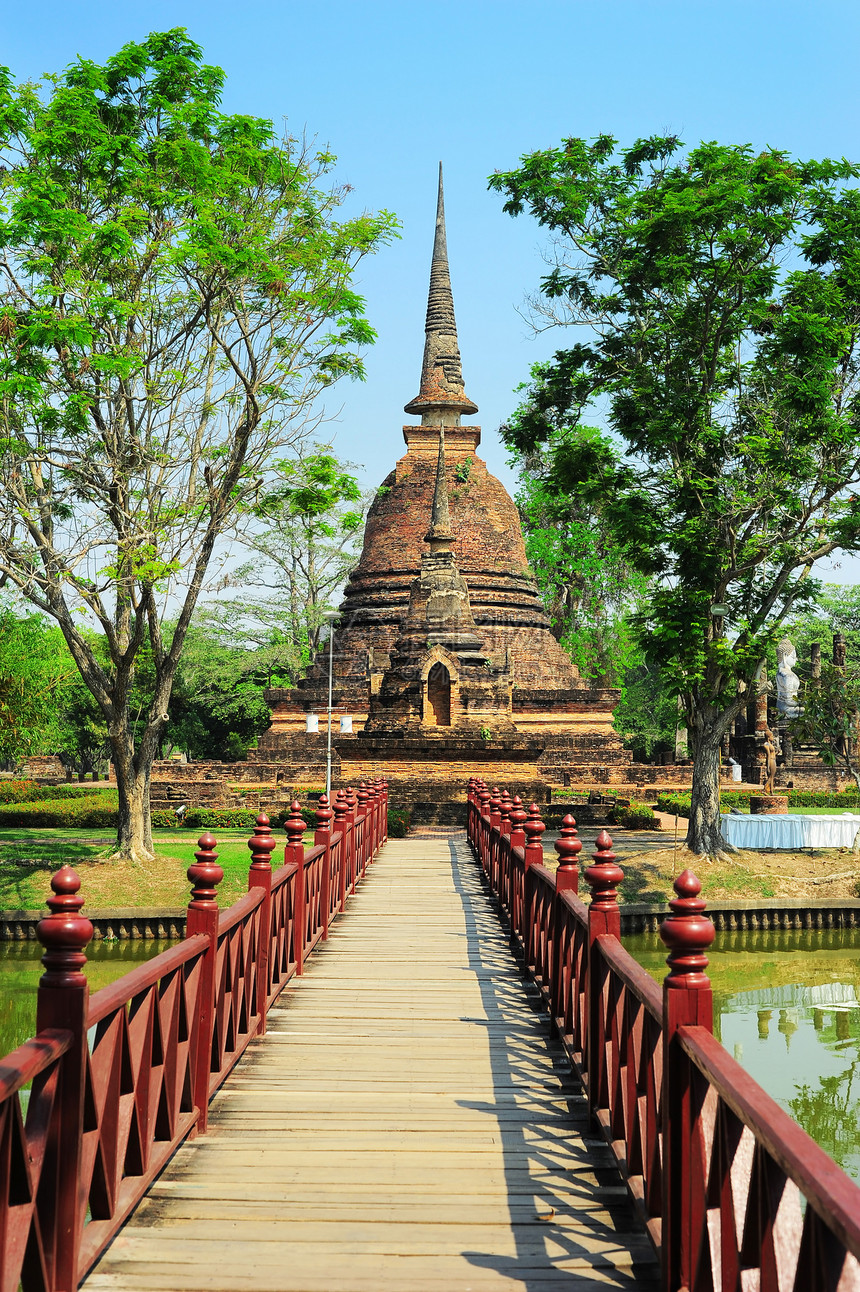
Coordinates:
[518,815]
[324,814]
[687,932]
[64,933]
[495,799]
[484,799]
[534,828]
[604,875]
[262,844]
[505,806]
[568,846]
[341,807]
[362,795]
[205,874]
[295,824]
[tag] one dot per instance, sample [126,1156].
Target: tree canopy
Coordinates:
[715,297]
[175,292]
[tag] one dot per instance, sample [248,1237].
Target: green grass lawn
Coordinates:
[29,857]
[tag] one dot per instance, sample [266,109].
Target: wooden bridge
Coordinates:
[406,1121]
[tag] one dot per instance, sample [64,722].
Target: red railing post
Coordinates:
[373,819]
[341,811]
[205,874]
[505,806]
[295,851]
[322,835]
[518,840]
[687,1001]
[519,816]
[568,847]
[62,1003]
[352,834]
[484,829]
[361,815]
[383,810]
[471,792]
[533,828]
[532,856]
[604,917]
[262,845]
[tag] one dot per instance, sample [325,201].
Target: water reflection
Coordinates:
[20,970]
[787,1006]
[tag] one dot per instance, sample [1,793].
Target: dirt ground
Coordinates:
[823,874]
[651,860]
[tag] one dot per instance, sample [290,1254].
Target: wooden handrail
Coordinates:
[129,1055]
[668,1098]
[823,1183]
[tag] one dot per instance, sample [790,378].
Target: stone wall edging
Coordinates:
[147,923]
[113,925]
[739,917]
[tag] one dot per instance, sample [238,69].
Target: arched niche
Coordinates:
[439,695]
[440,679]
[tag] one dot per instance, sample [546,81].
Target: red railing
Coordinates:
[733,1192]
[93,1107]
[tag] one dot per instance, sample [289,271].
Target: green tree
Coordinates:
[217,706]
[37,675]
[175,292]
[305,531]
[829,717]
[716,296]
[587,585]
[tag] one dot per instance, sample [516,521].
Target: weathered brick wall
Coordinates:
[43,767]
[489,551]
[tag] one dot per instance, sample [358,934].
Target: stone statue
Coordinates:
[770,761]
[787,681]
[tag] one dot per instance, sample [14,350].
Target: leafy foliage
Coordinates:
[830,706]
[175,292]
[36,676]
[717,297]
[586,583]
[305,532]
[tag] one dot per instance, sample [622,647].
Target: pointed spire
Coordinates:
[441,372]
[439,535]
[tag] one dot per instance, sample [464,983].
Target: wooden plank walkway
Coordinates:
[405,1124]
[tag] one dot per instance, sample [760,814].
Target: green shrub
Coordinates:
[220,819]
[164,819]
[74,814]
[843,801]
[19,791]
[241,818]
[398,822]
[637,816]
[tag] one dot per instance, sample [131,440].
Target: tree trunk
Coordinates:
[703,834]
[134,824]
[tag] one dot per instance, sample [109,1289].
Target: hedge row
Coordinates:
[76,813]
[100,811]
[845,801]
[20,791]
[244,818]
[636,816]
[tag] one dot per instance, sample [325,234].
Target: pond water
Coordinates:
[21,969]
[787,1006]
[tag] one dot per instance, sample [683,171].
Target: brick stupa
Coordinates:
[443,653]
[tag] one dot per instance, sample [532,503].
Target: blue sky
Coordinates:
[395,87]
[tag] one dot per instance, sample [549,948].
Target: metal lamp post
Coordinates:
[331,617]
